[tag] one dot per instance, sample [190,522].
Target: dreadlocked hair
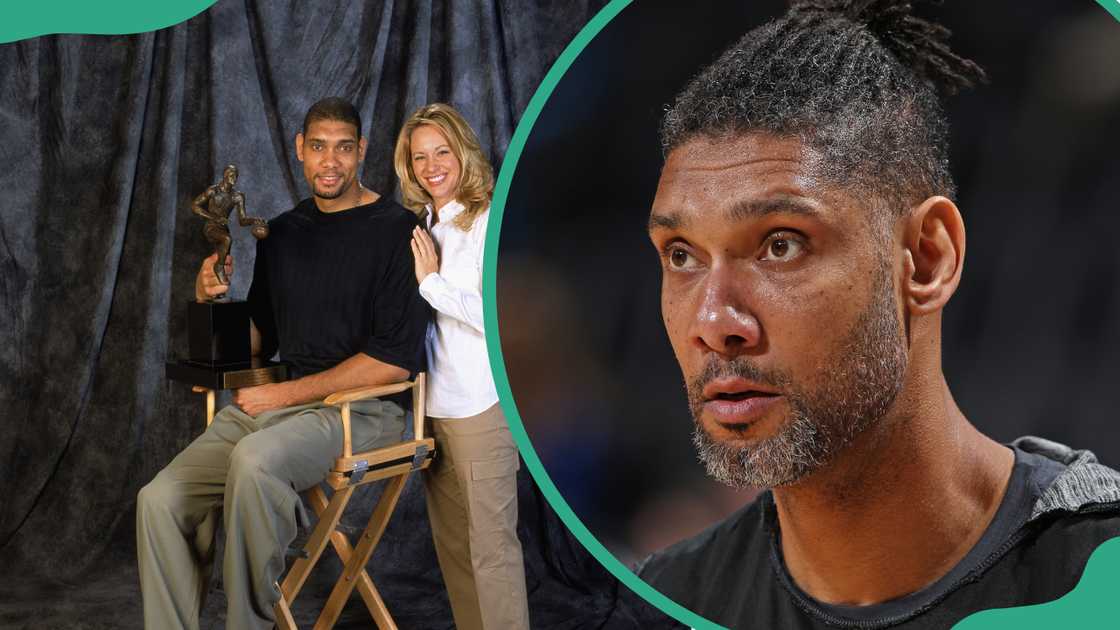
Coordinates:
[858,81]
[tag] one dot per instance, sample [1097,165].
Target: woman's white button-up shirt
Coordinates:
[460,383]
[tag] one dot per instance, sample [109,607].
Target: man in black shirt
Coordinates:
[809,242]
[334,292]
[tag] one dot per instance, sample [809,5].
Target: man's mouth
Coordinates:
[741,395]
[330,180]
[737,402]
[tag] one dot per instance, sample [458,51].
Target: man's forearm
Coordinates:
[360,370]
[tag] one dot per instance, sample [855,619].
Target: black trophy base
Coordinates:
[227,375]
[218,332]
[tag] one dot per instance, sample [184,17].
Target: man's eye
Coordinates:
[679,259]
[782,246]
[346,148]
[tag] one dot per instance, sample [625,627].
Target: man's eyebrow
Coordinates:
[752,209]
[756,208]
[663,221]
[325,141]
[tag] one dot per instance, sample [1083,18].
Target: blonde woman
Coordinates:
[472,485]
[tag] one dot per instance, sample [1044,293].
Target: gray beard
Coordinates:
[852,395]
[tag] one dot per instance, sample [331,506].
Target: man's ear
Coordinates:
[934,255]
[299,146]
[362,148]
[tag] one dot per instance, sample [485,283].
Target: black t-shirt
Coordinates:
[327,286]
[733,573]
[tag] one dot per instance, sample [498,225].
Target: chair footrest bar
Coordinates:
[416,461]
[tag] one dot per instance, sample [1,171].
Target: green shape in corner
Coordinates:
[1091,604]
[1112,6]
[32,19]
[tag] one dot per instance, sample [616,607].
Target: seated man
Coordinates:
[333,289]
[809,242]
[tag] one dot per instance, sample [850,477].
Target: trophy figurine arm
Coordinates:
[242,218]
[198,206]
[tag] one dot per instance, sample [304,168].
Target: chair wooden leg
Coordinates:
[341,544]
[349,579]
[328,521]
[284,620]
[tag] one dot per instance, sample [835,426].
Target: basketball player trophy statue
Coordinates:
[218,328]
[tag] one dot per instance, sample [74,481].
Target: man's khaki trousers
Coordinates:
[252,469]
[472,503]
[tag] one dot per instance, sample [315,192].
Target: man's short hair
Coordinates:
[333,108]
[856,80]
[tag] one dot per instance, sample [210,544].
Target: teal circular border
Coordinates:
[1111,574]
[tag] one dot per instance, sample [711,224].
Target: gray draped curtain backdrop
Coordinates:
[105,140]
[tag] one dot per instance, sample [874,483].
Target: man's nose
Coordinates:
[330,157]
[724,323]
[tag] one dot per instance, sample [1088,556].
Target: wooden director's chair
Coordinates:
[351,470]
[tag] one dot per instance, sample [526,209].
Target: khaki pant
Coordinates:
[472,503]
[252,469]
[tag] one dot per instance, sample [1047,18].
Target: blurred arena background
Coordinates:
[1031,340]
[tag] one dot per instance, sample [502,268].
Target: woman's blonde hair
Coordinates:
[476,178]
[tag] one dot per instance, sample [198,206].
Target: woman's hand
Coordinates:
[424,252]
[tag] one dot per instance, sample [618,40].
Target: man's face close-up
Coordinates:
[778,297]
[330,151]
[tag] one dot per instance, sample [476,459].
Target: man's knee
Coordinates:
[250,458]
[160,494]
